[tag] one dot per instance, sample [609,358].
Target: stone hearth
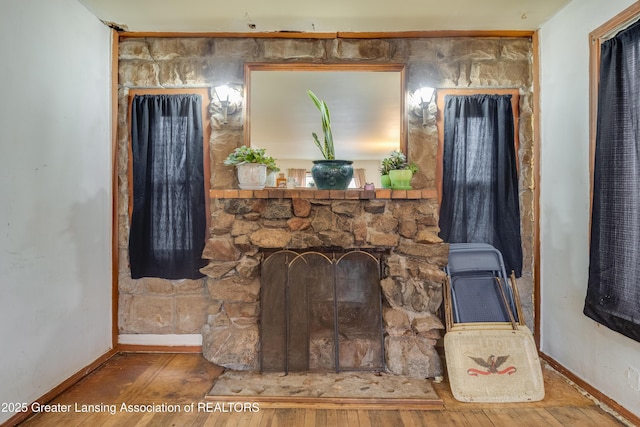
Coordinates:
[360,388]
[243,228]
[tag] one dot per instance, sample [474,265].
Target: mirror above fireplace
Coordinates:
[366,102]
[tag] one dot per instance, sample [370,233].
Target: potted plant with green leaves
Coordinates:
[329,173]
[253,166]
[385,166]
[398,170]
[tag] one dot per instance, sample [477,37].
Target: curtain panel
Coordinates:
[299,175]
[168,222]
[480,202]
[613,287]
[359,177]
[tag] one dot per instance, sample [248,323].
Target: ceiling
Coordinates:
[323,16]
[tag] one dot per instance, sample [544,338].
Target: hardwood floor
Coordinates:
[175,383]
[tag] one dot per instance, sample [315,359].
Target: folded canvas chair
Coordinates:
[490,353]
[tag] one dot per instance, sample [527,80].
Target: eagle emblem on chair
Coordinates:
[492,365]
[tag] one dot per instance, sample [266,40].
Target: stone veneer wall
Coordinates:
[154,306]
[242,228]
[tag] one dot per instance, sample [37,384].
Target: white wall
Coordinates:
[605,359]
[55,195]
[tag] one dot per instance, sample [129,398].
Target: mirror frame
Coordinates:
[297,66]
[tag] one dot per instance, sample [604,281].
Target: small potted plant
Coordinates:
[253,166]
[385,166]
[398,171]
[328,174]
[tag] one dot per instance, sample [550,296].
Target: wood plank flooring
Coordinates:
[180,382]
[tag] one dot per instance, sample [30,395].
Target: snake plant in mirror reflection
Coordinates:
[326,147]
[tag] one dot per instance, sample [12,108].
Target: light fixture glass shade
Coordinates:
[424,94]
[226,93]
[420,100]
[228,100]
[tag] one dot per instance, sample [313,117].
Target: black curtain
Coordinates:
[613,289]
[480,181]
[168,222]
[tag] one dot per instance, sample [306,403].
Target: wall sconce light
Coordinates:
[422,99]
[228,99]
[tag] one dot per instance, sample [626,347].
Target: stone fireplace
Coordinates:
[401,225]
[162,310]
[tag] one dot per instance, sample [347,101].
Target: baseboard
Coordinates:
[622,411]
[160,343]
[61,388]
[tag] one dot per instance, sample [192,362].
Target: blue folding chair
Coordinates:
[480,290]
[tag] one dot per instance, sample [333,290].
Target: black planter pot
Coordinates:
[332,174]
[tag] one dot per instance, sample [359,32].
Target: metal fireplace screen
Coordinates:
[321,312]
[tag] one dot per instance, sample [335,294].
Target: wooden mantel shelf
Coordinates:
[304,193]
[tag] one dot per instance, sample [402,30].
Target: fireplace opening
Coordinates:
[321,312]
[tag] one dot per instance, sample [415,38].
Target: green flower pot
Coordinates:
[400,179]
[385,181]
